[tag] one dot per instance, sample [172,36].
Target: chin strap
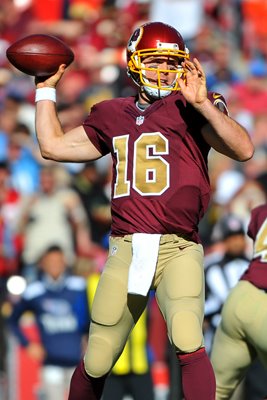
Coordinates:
[156,93]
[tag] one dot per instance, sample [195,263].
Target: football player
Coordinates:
[241,335]
[159,141]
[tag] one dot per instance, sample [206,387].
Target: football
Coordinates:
[39,54]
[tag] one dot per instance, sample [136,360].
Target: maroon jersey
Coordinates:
[257,230]
[160,175]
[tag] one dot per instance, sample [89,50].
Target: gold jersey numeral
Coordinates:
[122,185]
[151,172]
[260,246]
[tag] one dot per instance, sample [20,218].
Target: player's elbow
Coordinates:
[45,155]
[247,153]
[48,153]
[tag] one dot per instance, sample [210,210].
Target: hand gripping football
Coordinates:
[39,54]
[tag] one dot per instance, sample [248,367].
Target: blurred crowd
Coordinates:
[42,203]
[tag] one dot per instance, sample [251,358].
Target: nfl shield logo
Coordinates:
[140,120]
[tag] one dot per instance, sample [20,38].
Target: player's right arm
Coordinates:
[54,143]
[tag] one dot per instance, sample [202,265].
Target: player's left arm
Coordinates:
[226,135]
[221,132]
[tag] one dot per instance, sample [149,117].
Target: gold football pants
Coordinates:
[179,284]
[240,337]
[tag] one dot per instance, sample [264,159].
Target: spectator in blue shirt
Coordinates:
[58,302]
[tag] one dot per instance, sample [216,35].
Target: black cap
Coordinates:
[228,225]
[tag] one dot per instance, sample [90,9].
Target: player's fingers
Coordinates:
[181,83]
[52,80]
[189,65]
[59,73]
[192,69]
[198,66]
[197,63]
[61,68]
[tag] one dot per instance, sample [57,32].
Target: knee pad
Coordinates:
[186,331]
[98,359]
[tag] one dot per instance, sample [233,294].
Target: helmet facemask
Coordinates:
[139,70]
[152,47]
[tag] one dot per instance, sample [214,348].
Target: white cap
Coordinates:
[228,184]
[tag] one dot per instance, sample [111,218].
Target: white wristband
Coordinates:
[45,93]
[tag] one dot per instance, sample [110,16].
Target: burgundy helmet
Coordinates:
[154,39]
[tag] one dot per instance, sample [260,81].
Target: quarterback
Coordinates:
[159,142]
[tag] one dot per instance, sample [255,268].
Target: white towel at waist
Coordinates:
[142,269]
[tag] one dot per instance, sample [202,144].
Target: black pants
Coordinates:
[256,382]
[140,387]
